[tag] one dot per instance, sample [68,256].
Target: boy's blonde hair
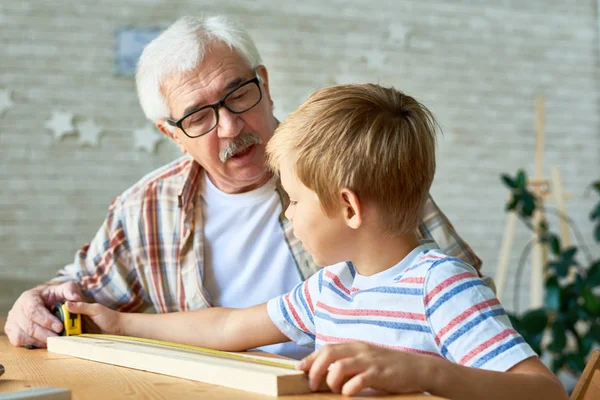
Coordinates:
[376,141]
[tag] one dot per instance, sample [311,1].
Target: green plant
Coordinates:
[570,316]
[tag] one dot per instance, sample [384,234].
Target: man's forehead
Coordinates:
[207,82]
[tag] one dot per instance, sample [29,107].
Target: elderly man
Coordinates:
[207,229]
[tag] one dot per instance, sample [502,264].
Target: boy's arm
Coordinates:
[355,366]
[529,379]
[229,329]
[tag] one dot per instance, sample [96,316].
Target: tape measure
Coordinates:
[72,327]
[71,322]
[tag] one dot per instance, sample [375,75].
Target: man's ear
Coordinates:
[261,70]
[169,132]
[351,208]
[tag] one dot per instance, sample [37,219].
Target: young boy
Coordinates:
[388,312]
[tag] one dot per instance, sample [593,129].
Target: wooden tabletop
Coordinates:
[26,369]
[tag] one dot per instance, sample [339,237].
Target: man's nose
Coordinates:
[230,124]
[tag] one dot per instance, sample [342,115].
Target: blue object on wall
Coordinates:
[129,43]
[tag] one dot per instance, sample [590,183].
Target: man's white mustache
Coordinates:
[239,142]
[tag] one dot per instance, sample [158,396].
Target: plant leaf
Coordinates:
[558,363]
[515,322]
[586,345]
[595,332]
[559,338]
[595,212]
[521,179]
[509,181]
[590,302]
[555,244]
[576,362]
[528,204]
[593,274]
[552,295]
[535,321]
[569,253]
[512,204]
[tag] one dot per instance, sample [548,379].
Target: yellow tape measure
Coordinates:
[71,322]
[203,350]
[72,327]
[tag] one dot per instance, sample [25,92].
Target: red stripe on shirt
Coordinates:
[372,313]
[295,313]
[336,281]
[412,280]
[447,283]
[464,315]
[333,340]
[488,343]
[308,299]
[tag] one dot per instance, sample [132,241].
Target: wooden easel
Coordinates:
[544,190]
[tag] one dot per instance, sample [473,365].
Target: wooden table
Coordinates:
[26,369]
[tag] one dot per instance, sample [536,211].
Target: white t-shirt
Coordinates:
[247,260]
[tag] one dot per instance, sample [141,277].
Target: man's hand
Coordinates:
[109,321]
[30,322]
[353,367]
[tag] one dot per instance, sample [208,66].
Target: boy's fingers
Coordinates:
[358,383]
[79,307]
[307,361]
[342,370]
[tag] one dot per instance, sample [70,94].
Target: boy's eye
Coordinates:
[293,202]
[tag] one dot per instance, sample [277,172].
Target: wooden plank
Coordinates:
[507,242]
[26,369]
[232,373]
[44,393]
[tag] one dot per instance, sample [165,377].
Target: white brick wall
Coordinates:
[477,65]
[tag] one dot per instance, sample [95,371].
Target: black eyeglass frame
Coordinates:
[216,106]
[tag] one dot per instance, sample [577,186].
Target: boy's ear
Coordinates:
[351,208]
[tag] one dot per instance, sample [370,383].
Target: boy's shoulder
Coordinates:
[433,266]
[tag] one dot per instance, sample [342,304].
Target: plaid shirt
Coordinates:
[149,251]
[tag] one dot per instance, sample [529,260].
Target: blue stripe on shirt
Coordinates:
[448,295]
[337,291]
[286,315]
[497,351]
[468,326]
[302,300]
[392,290]
[385,324]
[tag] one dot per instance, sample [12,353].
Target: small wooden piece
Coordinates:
[43,393]
[588,385]
[507,242]
[539,253]
[182,363]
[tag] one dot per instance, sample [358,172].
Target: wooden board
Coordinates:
[182,363]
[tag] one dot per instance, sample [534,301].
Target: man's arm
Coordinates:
[102,272]
[104,268]
[436,226]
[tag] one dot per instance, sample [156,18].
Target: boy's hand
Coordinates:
[109,321]
[353,367]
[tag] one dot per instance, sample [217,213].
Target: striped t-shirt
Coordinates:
[428,303]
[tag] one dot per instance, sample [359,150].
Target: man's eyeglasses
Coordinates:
[203,120]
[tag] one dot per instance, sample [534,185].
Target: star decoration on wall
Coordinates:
[5,100]
[89,133]
[146,138]
[61,124]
